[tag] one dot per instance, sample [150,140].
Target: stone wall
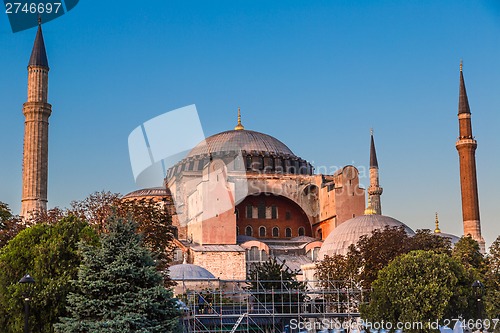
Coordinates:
[227,265]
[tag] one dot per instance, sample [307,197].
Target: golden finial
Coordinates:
[461,64]
[239,127]
[371,131]
[369,209]
[437,230]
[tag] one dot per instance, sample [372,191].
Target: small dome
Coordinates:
[148,192]
[349,232]
[454,239]
[237,140]
[243,238]
[189,272]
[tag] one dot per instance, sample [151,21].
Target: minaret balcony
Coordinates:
[375,190]
[466,142]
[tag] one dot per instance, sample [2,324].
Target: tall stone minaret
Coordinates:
[374,191]
[466,146]
[36,131]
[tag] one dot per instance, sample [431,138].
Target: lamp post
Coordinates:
[28,280]
[478,288]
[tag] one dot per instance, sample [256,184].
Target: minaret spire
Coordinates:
[374,191]
[373,152]
[239,126]
[38,54]
[37,111]
[466,146]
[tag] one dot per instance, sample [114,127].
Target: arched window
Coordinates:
[263,255]
[237,231]
[288,232]
[262,231]
[276,232]
[253,254]
[237,213]
[248,231]
[302,231]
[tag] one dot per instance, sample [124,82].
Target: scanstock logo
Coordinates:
[26,14]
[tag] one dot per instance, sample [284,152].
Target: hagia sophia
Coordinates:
[241,196]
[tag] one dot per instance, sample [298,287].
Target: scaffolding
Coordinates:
[271,306]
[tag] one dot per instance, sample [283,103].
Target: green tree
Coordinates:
[152,218]
[5,214]
[272,281]
[467,251]
[118,287]
[379,249]
[420,286]
[492,281]
[426,240]
[10,225]
[49,253]
[373,252]
[338,275]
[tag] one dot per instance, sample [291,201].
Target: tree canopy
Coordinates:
[277,283]
[118,287]
[10,225]
[152,218]
[49,253]
[492,281]
[420,286]
[373,252]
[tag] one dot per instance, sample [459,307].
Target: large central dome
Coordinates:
[241,140]
[243,150]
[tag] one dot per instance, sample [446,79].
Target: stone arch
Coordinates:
[275,212]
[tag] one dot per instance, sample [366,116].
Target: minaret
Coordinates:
[36,130]
[374,191]
[466,146]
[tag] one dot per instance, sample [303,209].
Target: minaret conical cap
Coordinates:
[373,153]
[463,101]
[38,55]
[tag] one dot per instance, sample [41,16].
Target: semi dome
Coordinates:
[189,272]
[241,140]
[349,232]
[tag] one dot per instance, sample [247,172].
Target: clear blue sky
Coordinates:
[315,74]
